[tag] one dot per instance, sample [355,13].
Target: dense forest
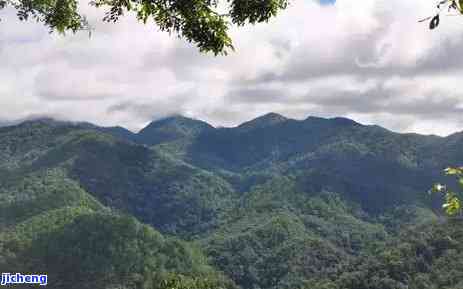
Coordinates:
[272,203]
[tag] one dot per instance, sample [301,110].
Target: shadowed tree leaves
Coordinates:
[57,15]
[243,11]
[197,21]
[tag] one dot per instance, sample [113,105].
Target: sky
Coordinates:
[327,2]
[368,60]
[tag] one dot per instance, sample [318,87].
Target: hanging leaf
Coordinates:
[454,171]
[453,201]
[438,188]
[452,206]
[434,22]
[460,6]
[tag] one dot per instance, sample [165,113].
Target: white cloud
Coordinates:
[370,60]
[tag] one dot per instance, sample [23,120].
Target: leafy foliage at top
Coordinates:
[59,15]
[198,21]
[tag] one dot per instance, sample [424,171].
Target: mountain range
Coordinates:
[271,203]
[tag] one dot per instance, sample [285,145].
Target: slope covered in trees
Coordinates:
[50,225]
[273,203]
[168,193]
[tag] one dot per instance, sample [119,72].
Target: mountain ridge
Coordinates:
[271,116]
[245,156]
[280,204]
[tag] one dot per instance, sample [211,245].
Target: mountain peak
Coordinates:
[265,120]
[41,120]
[337,121]
[172,128]
[51,122]
[178,122]
[344,121]
[176,118]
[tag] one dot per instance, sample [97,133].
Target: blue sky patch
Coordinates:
[327,2]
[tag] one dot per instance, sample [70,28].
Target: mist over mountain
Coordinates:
[271,203]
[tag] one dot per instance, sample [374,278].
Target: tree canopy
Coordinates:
[205,23]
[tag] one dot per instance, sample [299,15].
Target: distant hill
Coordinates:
[171,129]
[267,120]
[337,153]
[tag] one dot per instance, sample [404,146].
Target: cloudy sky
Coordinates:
[369,60]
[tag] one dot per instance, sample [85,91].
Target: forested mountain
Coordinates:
[172,129]
[50,225]
[272,203]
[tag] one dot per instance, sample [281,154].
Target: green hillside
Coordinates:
[373,166]
[428,256]
[51,225]
[272,203]
[173,196]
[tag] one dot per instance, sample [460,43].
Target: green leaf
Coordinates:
[454,171]
[438,188]
[453,206]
